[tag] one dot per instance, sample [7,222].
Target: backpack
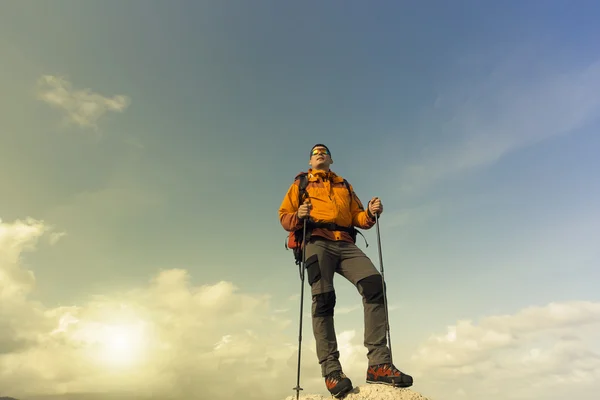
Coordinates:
[294,240]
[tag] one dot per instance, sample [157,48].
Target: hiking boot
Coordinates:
[338,384]
[388,374]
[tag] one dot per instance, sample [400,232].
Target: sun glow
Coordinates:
[122,345]
[119,343]
[115,338]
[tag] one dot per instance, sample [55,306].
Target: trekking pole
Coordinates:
[387,322]
[302,269]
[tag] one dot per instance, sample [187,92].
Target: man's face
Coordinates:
[320,158]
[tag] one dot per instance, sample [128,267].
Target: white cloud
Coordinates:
[20,319]
[55,237]
[347,310]
[504,113]
[169,337]
[539,352]
[16,238]
[176,339]
[82,107]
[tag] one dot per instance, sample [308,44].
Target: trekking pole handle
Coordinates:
[377,215]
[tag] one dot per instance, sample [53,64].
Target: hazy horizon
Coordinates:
[145,148]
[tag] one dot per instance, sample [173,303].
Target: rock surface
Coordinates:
[368,392]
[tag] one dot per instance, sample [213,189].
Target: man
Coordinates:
[332,249]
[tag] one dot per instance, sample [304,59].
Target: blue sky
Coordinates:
[475,123]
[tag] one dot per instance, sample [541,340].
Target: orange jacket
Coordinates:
[330,203]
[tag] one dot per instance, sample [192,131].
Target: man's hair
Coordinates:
[318,145]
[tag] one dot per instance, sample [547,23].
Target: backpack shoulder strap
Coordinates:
[303,178]
[355,231]
[349,190]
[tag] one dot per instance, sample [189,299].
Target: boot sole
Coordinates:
[342,393]
[398,385]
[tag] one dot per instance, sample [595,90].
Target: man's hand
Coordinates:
[304,209]
[375,206]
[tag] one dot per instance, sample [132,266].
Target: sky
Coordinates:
[145,148]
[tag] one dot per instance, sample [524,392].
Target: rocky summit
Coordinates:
[369,392]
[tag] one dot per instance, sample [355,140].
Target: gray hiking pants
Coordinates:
[323,259]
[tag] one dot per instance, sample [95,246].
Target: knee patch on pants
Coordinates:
[324,304]
[372,289]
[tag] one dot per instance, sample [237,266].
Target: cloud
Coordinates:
[15,238]
[176,339]
[543,352]
[168,338]
[479,123]
[347,310]
[20,319]
[55,237]
[81,107]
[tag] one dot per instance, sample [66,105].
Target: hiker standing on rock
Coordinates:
[332,211]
